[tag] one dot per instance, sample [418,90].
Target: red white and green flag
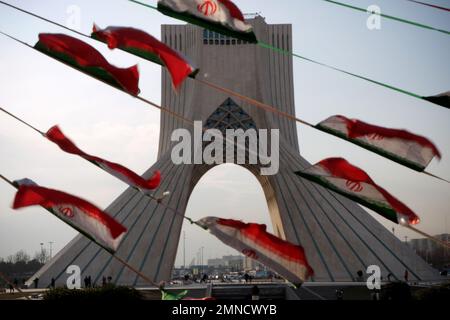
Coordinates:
[344,178]
[80,214]
[251,239]
[86,58]
[146,46]
[221,16]
[56,136]
[442,99]
[401,146]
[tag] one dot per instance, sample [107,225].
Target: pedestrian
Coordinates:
[53,283]
[255,293]
[390,275]
[359,276]
[339,294]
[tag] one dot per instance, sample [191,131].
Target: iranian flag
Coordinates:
[80,214]
[145,46]
[254,241]
[441,99]
[85,58]
[344,178]
[401,146]
[56,136]
[222,16]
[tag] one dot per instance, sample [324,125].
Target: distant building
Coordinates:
[432,252]
[250,264]
[227,264]
[216,263]
[236,263]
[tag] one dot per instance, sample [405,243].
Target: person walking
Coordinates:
[255,293]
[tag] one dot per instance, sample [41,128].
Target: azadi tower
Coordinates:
[340,238]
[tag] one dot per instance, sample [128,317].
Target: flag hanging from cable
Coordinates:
[441,99]
[221,16]
[401,146]
[350,181]
[255,242]
[86,58]
[145,46]
[56,136]
[80,214]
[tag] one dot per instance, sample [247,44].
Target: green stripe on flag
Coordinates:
[96,72]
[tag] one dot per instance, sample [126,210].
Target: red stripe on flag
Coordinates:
[132,39]
[235,12]
[87,56]
[34,195]
[258,234]
[357,128]
[341,168]
[56,136]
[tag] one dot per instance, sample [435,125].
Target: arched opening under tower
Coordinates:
[228,191]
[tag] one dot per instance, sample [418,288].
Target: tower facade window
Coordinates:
[215,38]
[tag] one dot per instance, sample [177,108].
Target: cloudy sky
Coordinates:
[114,126]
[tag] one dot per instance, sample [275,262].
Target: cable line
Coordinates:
[163,109]
[428,5]
[410,22]
[286,52]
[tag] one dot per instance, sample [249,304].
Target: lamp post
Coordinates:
[51,245]
[42,253]
[184,250]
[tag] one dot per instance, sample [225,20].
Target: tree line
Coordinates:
[20,266]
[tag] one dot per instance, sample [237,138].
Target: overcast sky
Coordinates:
[110,124]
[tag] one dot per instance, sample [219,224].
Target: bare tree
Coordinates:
[21,256]
[42,256]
